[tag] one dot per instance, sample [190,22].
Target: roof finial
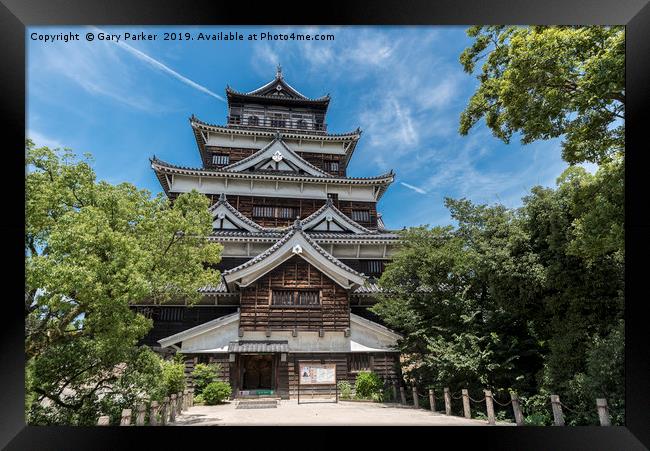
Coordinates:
[222,197]
[297,224]
[328,202]
[278,73]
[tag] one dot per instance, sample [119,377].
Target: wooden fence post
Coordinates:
[447,401]
[172,408]
[164,417]
[466,409]
[432,400]
[603,412]
[558,418]
[126,417]
[416,401]
[191,397]
[104,420]
[402,394]
[179,403]
[139,418]
[153,414]
[489,404]
[516,408]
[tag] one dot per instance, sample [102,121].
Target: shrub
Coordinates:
[345,390]
[203,374]
[216,392]
[367,384]
[198,399]
[173,376]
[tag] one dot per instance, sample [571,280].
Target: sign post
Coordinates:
[317,374]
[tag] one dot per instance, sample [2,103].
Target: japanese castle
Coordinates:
[303,244]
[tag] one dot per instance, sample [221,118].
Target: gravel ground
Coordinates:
[345,413]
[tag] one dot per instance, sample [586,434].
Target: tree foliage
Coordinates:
[526,299]
[546,82]
[203,374]
[92,249]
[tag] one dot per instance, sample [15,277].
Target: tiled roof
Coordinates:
[297,228]
[259,346]
[277,138]
[158,164]
[330,204]
[323,100]
[369,288]
[212,289]
[222,201]
[288,133]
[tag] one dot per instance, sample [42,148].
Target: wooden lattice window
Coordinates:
[332,166]
[253,120]
[266,211]
[361,215]
[290,297]
[220,159]
[171,314]
[372,267]
[359,362]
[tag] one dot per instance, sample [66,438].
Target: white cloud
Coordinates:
[414,188]
[161,67]
[41,140]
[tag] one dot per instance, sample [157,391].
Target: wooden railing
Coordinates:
[296,124]
[489,399]
[160,414]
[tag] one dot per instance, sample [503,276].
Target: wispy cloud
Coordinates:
[162,67]
[414,188]
[41,140]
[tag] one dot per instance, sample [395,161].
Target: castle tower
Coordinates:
[303,245]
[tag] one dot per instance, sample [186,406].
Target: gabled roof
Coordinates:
[162,168]
[227,217]
[276,156]
[197,330]
[200,128]
[277,90]
[328,218]
[295,243]
[270,87]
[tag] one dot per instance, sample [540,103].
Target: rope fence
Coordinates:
[159,414]
[430,397]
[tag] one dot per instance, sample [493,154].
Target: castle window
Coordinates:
[293,298]
[359,362]
[372,267]
[332,166]
[265,211]
[220,159]
[361,215]
[253,120]
[171,314]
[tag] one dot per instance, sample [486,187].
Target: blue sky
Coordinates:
[403,86]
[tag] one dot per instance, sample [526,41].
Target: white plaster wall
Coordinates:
[214,339]
[362,338]
[217,185]
[249,142]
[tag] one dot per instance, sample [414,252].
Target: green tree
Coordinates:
[524,298]
[546,82]
[91,250]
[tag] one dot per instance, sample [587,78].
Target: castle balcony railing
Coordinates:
[271,122]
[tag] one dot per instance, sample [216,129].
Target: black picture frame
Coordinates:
[16,15]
